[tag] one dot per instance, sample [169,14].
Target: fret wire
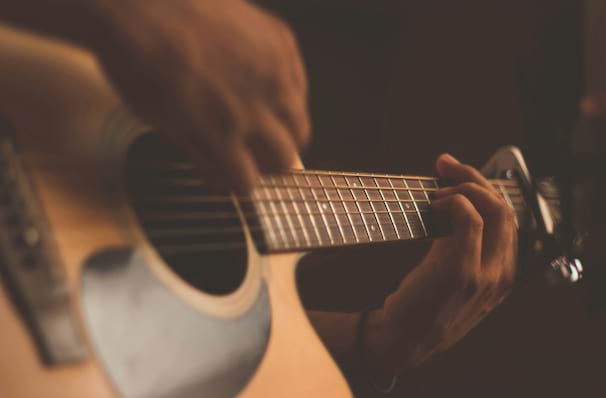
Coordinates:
[270,230]
[393,221]
[346,187]
[417,209]
[168,232]
[298,214]
[313,221]
[203,198]
[429,201]
[412,235]
[210,199]
[356,174]
[295,219]
[334,212]
[231,245]
[359,224]
[288,217]
[189,166]
[278,219]
[233,215]
[184,199]
[284,230]
[171,232]
[272,227]
[355,231]
[376,214]
[360,209]
[361,200]
[313,192]
[195,182]
[362,224]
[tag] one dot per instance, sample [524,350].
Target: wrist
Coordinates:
[381,344]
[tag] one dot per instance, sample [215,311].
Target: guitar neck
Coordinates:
[306,210]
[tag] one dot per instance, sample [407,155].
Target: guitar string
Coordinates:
[286,243]
[185,166]
[510,187]
[182,166]
[171,231]
[185,199]
[167,215]
[321,240]
[366,191]
[194,183]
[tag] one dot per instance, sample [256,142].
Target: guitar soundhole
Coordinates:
[197,233]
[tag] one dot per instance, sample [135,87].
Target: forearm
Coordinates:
[82,22]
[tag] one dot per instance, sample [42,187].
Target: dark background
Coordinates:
[395,83]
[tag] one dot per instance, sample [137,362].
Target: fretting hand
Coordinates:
[463,277]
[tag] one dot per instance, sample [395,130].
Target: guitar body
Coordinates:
[145,331]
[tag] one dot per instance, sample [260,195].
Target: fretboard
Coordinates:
[305,210]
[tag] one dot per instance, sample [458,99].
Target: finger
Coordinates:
[467,229]
[499,224]
[296,66]
[287,92]
[270,142]
[239,166]
[228,168]
[292,111]
[455,172]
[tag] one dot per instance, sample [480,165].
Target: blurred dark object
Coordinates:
[580,163]
[588,146]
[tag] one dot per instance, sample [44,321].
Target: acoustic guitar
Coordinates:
[122,275]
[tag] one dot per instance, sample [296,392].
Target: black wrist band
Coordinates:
[359,345]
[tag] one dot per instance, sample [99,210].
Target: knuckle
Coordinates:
[504,213]
[470,186]
[460,202]
[468,215]
[474,220]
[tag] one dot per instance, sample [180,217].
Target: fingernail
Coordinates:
[449,158]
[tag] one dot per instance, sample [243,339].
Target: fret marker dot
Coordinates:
[372,227]
[355,184]
[325,206]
